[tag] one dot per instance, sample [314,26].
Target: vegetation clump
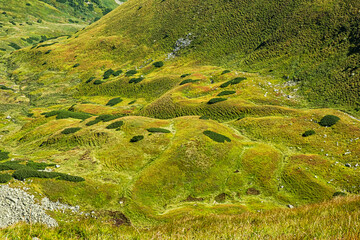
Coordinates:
[23,174]
[114,125]
[114,101]
[224,93]
[90,79]
[185,75]
[110,72]
[98,82]
[136,80]
[103,118]
[62,114]
[70,130]
[216,136]
[225,71]
[339,194]
[158,64]
[137,138]
[2,87]
[4,178]
[232,82]
[329,120]
[4,155]
[130,73]
[158,130]
[216,100]
[308,133]
[188,81]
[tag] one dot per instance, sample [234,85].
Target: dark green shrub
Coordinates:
[215,100]
[308,133]
[4,155]
[132,102]
[188,81]
[114,101]
[70,130]
[224,93]
[204,117]
[136,80]
[97,82]
[62,114]
[108,73]
[185,75]
[158,130]
[158,64]
[48,51]
[217,137]
[2,87]
[329,120]
[130,73]
[23,174]
[103,118]
[76,65]
[12,165]
[117,124]
[137,138]
[4,178]
[117,73]
[232,82]
[339,194]
[225,71]
[90,79]
[38,166]
[15,46]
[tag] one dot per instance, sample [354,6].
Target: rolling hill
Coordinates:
[172,111]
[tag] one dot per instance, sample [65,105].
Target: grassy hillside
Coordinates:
[286,39]
[30,22]
[213,113]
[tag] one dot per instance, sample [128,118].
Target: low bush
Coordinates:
[23,174]
[188,81]
[185,75]
[233,82]
[90,79]
[130,73]
[114,125]
[224,93]
[158,64]
[103,118]
[76,65]
[339,194]
[12,165]
[132,102]
[117,73]
[308,133]
[136,80]
[204,117]
[137,138]
[329,120]
[4,178]
[2,87]
[62,114]
[215,100]
[15,46]
[216,136]
[4,155]
[225,71]
[38,166]
[108,73]
[114,101]
[158,130]
[98,82]
[70,130]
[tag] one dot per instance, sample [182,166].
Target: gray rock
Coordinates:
[290,206]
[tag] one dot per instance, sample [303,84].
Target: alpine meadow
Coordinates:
[166,119]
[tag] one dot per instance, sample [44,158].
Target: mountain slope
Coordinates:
[156,107]
[313,43]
